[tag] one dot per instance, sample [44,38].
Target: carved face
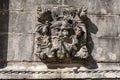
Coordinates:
[61,30]
[62,35]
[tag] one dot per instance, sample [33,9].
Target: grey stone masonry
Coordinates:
[18,20]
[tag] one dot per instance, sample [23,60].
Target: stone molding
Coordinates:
[49,72]
[93,74]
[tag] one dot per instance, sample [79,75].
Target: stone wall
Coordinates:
[17,24]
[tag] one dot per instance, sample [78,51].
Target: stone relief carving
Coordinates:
[61,33]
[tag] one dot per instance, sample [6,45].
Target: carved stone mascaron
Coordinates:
[61,33]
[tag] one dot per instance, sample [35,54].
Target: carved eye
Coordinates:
[70,21]
[84,48]
[57,29]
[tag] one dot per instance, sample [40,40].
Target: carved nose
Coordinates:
[60,34]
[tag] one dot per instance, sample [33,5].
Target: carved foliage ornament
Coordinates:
[61,33]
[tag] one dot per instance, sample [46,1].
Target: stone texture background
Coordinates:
[17,24]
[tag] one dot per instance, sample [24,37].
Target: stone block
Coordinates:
[21,22]
[103,26]
[105,49]
[30,5]
[14,21]
[24,5]
[20,47]
[15,5]
[27,22]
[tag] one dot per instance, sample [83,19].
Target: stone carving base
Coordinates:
[40,71]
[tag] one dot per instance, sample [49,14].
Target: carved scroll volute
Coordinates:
[61,33]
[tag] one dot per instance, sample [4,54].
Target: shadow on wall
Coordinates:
[4,24]
[91,29]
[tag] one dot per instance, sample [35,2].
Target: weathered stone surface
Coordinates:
[22,22]
[14,21]
[24,5]
[98,6]
[15,5]
[20,47]
[106,49]
[103,26]
[30,5]
[27,22]
[95,6]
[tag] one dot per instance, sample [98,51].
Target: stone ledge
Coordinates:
[34,70]
[59,74]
